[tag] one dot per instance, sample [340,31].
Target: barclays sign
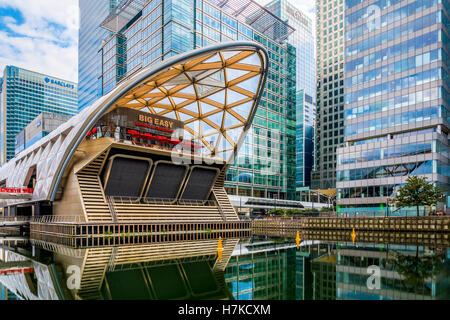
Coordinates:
[60,83]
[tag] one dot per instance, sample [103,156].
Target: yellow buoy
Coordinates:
[353,235]
[297,239]
[220,248]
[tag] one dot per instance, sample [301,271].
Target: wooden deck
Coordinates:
[79,234]
[390,224]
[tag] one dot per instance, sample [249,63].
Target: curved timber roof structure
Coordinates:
[214,91]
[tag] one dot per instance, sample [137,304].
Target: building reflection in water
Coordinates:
[275,269]
[406,272]
[175,270]
[252,268]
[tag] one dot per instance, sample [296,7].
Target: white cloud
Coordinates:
[46,41]
[41,45]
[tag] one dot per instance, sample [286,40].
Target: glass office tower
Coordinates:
[25,95]
[90,42]
[305,128]
[396,108]
[147,32]
[303,41]
[330,91]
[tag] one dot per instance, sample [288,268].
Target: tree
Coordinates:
[417,192]
[417,270]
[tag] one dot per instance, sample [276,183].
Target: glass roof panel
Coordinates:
[214,58]
[207,129]
[228,54]
[165,101]
[187,90]
[184,117]
[235,73]
[212,139]
[133,102]
[207,107]
[195,125]
[251,60]
[180,79]
[203,90]
[225,144]
[234,134]
[250,84]
[243,109]
[168,87]
[216,79]
[233,96]
[230,120]
[216,118]
[194,73]
[156,90]
[177,100]
[192,107]
[218,97]
[170,115]
[159,110]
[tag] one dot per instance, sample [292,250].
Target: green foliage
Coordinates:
[416,270]
[417,192]
[325,209]
[312,210]
[277,212]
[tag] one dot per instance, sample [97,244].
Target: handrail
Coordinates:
[112,208]
[44,219]
[162,201]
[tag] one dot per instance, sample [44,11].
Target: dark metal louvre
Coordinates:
[199,184]
[166,181]
[126,177]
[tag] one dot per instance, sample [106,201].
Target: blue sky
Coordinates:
[42,35]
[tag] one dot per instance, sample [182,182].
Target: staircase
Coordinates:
[165,213]
[222,199]
[94,202]
[93,273]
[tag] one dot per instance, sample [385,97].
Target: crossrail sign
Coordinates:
[15,193]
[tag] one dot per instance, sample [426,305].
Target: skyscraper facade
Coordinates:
[90,42]
[330,91]
[145,33]
[303,41]
[396,102]
[25,95]
[305,129]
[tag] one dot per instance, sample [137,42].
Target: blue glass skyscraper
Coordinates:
[25,95]
[90,42]
[397,102]
[303,41]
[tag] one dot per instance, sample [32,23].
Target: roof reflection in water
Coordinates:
[178,270]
